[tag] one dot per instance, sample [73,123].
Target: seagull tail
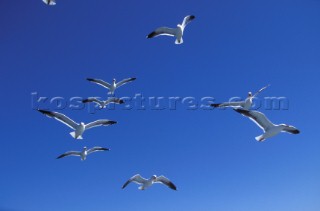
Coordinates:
[73,134]
[260,138]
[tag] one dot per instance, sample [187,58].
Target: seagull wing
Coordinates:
[93,99]
[60,117]
[166,181]
[263,88]
[124,81]
[163,31]
[291,129]
[70,153]
[229,104]
[114,100]
[257,117]
[136,179]
[100,82]
[96,149]
[188,19]
[100,122]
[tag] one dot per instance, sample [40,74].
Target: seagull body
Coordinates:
[49,2]
[174,32]
[145,183]
[266,125]
[241,104]
[114,85]
[84,153]
[78,128]
[103,103]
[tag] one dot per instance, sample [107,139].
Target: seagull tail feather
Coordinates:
[73,134]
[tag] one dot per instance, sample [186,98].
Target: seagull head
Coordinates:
[82,124]
[114,80]
[249,94]
[85,148]
[153,177]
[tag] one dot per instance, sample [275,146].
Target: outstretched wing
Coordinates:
[60,117]
[163,31]
[100,82]
[257,117]
[187,20]
[96,149]
[166,181]
[100,122]
[263,88]
[93,99]
[70,153]
[291,129]
[124,81]
[136,179]
[114,100]
[229,104]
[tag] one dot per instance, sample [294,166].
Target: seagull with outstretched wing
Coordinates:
[114,85]
[84,153]
[266,125]
[174,32]
[145,183]
[240,104]
[78,128]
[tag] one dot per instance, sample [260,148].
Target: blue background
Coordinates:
[232,47]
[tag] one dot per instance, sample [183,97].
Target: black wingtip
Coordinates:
[296,131]
[44,111]
[121,101]
[90,79]
[112,122]
[85,101]
[151,35]
[192,17]
[215,105]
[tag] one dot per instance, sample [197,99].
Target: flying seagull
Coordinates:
[103,103]
[174,32]
[84,153]
[79,128]
[112,86]
[49,2]
[145,183]
[241,104]
[268,127]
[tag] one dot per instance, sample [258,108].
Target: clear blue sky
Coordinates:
[232,47]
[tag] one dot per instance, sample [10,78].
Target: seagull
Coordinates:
[145,183]
[174,32]
[112,86]
[103,104]
[241,104]
[84,153]
[79,128]
[49,2]
[268,127]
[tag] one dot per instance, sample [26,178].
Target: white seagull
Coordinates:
[49,2]
[174,32]
[84,153]
[78,127]
[241,104]
[145,183]
[112,86]
[103,103]
[268,127]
